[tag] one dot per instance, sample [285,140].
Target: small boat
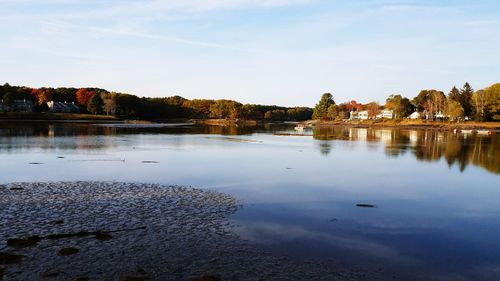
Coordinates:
[300,128]
[466,131]
[483,132]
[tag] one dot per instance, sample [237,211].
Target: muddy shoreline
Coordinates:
[129,231]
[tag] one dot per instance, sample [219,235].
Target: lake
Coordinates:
[429,199]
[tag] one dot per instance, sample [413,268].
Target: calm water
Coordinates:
[437,195]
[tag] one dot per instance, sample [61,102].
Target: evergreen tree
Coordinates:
[466,99]
[321,108]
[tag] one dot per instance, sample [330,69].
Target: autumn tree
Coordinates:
[487,103]
[225,109]
[373,109]
[400,106]
[354,106]
[430,101]
[109,103]
[95,104]
[493,95]
[454,110]
[43,95]
[83,96]
[198,108]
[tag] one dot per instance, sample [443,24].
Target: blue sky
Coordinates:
[284,52]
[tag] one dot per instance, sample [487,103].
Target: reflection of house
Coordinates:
[63,107]
[415,115]
[384,135]
[17,106]
[386,114]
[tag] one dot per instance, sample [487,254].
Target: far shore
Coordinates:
[410,124]
[91,118]
[56,117]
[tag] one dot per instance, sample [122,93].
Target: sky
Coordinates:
[285,52]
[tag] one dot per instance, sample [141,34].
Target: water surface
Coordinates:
[436,195]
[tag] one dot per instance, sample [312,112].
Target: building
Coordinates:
[17,106]
[3,107]
[358,115]
[415,115]
[440,115]
[363,115]
[63,107]
[385,114]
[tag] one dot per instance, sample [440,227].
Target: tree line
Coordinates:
[101,101]
[480,105]
[459,104]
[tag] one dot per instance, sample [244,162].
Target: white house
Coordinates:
[440,115]
[386,114]
[415,115]
[358,115]
[363,115]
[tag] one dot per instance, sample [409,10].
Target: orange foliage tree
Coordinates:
[43,95]
[83,96]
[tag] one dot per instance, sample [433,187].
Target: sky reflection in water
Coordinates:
[437,215]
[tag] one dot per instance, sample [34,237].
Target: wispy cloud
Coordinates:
[256,50]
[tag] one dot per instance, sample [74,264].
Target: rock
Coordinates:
[50,274]
[362,205]
[207,278]
[68,251]
[102,236]
[6,258]
[23,243]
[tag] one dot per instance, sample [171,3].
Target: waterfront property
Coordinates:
[359,115]
[16,106]
[415,115]
[385,114]
[63,107]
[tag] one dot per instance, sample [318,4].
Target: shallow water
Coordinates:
[436,195]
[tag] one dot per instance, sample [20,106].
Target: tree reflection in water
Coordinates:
[426,145]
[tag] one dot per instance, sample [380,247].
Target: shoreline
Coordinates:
[405,124]
[130,231]
[55,118]
[42,118]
